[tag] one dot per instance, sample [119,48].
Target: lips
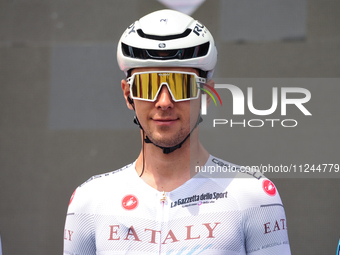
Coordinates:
[165,121]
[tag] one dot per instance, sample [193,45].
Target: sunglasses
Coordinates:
[181,85]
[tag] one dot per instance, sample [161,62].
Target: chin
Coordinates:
[167,141]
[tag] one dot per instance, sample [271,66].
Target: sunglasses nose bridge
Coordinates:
[168,91]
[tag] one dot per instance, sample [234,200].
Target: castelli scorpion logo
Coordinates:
[130,202]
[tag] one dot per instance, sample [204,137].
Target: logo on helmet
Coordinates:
[161,45]
[132,28]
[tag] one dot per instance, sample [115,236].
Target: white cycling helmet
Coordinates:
[167,38]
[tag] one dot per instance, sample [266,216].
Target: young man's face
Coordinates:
[164,121]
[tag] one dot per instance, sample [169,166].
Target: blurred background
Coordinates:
[63,117]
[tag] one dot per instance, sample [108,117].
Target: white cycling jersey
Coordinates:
[118,213]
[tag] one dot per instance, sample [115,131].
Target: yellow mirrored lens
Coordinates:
[147,85]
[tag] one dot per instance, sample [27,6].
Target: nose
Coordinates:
[164,99]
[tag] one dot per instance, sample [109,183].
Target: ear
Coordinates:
[126,92]
[212,84]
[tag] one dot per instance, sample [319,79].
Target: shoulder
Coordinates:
[88,195]
[105,178]
[248,186]
[262,215]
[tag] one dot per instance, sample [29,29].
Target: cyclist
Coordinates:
[161,204]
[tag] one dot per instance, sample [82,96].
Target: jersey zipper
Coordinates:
[163,201]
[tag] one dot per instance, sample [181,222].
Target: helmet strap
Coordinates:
[167,150]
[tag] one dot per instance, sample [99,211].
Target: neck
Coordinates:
[166,172]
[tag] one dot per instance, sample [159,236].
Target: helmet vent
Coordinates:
[186,53]
[163,37]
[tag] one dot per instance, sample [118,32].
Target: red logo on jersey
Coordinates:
[269,187]
[72,197]
[129,202]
